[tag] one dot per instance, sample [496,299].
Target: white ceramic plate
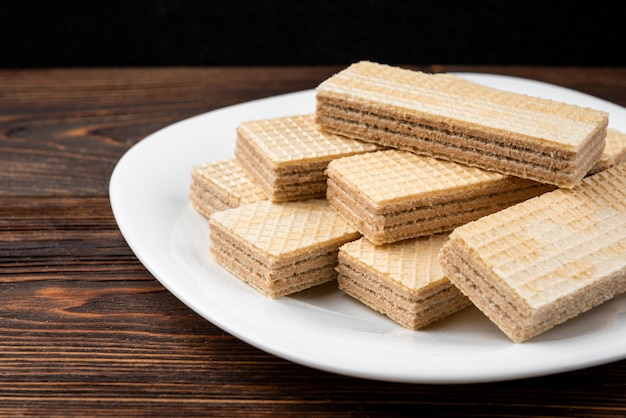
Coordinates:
[323,328]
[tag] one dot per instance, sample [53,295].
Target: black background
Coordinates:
[280,32]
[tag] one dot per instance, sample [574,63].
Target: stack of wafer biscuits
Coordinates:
[429,154]
[536,264]
[280,248]
[221,185]
[447,117]
[403,281]
[287,156]
[392,195]
[385,192]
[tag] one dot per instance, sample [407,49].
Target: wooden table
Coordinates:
[86,330]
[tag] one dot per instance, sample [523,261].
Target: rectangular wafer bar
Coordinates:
[280,248]
[403,281]
[541,262]
[220,185]
[391,195]
[286,156]
[447,117]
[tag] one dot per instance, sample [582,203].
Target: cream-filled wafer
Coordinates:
[391,195]
[221,185]
[403,280]
[280,248]
[541,262]
[447,117]
[286,156]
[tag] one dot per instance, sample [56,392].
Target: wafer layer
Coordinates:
[403,281]
[221,185]
[287,156]
[280,248]
[444,116]
[536,264]
[392,195]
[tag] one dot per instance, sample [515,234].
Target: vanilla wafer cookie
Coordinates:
[614,151]
[221,185]
[286,156]
[403,280]
[546,260]
[447,117]
[280,248]
[391,195]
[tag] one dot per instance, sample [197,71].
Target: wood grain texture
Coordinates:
[85,330]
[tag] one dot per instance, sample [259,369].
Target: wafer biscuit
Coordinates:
[614,151]
[280,248]
[221,185]
[286,156]
[391,195]
[447,117]
[546,260]
[403,281]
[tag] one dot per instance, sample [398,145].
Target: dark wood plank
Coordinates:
[68,238]
[63,130]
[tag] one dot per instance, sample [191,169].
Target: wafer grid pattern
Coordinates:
[289,139]
[229,177]
[393,175]
[285,228]
[569,238]
[413,263]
